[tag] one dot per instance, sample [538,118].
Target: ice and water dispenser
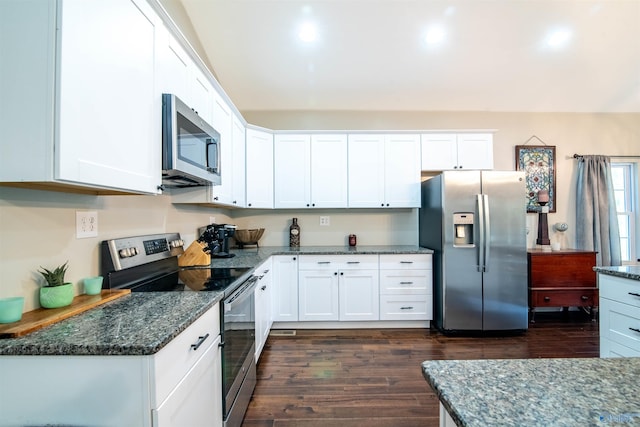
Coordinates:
[463,229]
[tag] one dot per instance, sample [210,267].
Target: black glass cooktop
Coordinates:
[193,279]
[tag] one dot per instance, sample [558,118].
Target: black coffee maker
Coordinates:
[216,237]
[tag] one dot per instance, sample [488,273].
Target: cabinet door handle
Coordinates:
[584,298]
[406,283]
[264,288]
[201,340]
[547,299]
[406,308]
[634,294]
[324,262]
[635,330]
[406,262]
[353,262]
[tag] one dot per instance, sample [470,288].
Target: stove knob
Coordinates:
[125,253]
[134,251]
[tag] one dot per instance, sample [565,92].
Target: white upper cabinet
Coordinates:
[384,170]
[84,110]
[310,171]
[174,67]
[238,195]
[448,151]
[259,164]
[223,123]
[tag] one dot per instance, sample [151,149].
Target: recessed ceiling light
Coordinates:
[434,36]
[308,32]
[558,38]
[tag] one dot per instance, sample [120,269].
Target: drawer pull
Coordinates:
[201,340]
[324,262]
[547,299]
[635,330]
[264,288]
[406,262]
[406,308]
[353,262]
[406,283]
[634,294]
[584,298]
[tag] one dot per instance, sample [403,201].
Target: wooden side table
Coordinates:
[562,278]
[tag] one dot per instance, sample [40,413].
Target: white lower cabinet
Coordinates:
[263,310]
[178,386]
[619,316]
[284,293]
[338,287]
[406,283]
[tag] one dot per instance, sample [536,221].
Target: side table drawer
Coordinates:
[564,298]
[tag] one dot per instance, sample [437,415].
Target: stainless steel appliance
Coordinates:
[149,264]
[475,223]
[190,146]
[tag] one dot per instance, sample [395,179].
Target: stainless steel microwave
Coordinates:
[190,146]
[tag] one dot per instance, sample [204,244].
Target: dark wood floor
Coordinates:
[373,378]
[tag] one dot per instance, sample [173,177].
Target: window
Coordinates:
[625,187]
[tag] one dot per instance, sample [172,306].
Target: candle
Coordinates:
[543,196]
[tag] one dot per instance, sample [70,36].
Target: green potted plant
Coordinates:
[56,292]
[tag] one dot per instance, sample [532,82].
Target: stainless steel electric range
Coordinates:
[150,264]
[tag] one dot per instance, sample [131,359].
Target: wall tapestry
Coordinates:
[539,165]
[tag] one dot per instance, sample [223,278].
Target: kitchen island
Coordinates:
[536,392]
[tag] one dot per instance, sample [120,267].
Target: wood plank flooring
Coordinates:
[373,377]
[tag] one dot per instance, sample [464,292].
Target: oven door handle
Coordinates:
[244,291]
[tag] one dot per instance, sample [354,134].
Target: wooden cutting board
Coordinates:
[41,317]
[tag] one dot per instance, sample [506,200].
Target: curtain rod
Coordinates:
[579,156]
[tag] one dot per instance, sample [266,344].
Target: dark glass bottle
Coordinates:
[294,234]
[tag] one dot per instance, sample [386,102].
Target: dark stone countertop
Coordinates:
[537,392]
[626,271]
[252,257]
[143,323]
[136,324]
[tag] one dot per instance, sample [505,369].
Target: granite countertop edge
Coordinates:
[143,323]
[625,271]
[474,392]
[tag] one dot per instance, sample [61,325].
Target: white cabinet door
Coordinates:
[197,400]
[173,66]
[284,296]
[359,295]
[450,151]
[259,161]
[439,151]
[201,94]
[238,195]
[292,159]
[366,171]
[475,151]
[318,295]
[329,171]
[223,123]
[263,306]
[402,171]
[109,121]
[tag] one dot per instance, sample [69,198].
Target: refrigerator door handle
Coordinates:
[487,233]
[480,252]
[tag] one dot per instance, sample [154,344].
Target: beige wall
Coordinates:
[37,228]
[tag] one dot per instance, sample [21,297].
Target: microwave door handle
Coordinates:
[209,143]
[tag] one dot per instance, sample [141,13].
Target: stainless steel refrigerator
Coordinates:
[475,223]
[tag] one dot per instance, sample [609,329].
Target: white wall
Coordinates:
[37,228]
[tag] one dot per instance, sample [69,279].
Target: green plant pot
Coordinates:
[56,296]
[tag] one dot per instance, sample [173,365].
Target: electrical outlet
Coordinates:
[86,224]
[212,220]
[324,220]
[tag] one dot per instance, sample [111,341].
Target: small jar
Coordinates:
[352,240]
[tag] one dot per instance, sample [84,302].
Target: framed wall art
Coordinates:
[539,165]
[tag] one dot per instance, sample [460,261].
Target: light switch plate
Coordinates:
[86,224]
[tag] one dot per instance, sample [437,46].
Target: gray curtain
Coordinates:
[596,217]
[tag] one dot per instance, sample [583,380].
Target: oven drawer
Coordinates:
[173,361]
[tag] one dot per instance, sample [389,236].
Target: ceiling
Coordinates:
[372,54]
